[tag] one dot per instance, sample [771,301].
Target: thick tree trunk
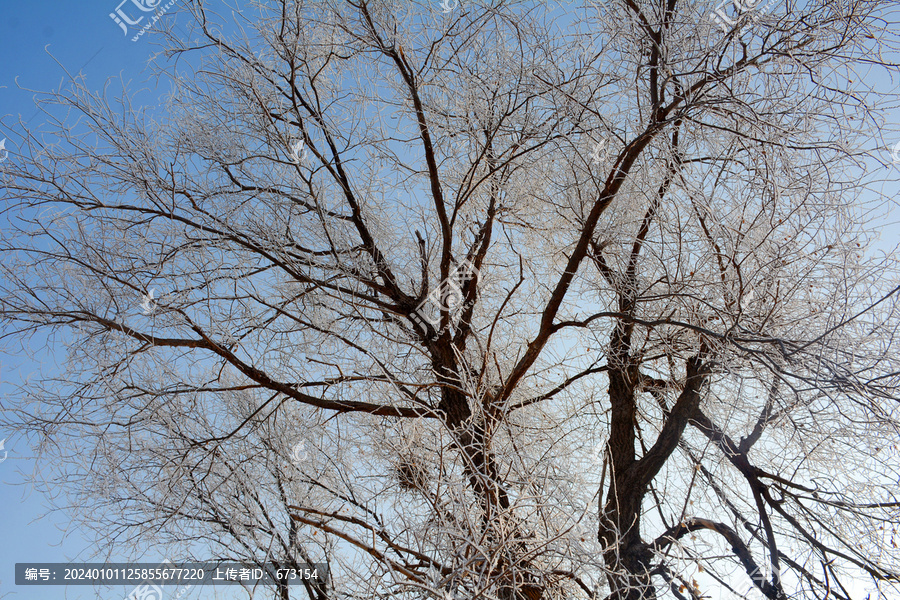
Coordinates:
[627,556]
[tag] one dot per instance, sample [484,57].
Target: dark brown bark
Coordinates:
[628,556]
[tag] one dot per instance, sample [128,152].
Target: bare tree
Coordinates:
[503,301]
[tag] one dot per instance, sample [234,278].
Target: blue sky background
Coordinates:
[41,41]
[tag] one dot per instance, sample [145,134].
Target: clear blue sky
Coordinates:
[80,36]
[40,42]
